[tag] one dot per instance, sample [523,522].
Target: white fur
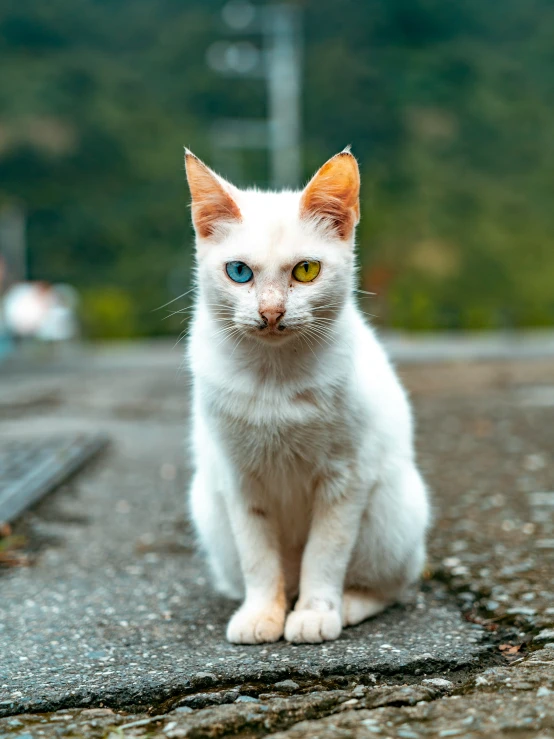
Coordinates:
[306,482]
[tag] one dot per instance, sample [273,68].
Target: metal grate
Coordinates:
[30,468]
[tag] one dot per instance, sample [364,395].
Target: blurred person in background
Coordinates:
[40,311]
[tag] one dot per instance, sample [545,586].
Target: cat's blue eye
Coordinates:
[239,271]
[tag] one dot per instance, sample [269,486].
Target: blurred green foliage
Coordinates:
[108,312]
[448,106]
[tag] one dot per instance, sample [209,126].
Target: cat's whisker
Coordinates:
[317,341]
[323,335]
[175,313]
[314,334]
[174,299]
[322,338]
[229,334]
[189,308]
[327,330]
[224,330]
[192,306]
[240,340]
[183,335]
[224,322]
[364,292]
[309,345]
[327,307]
[368,315]
[223,316]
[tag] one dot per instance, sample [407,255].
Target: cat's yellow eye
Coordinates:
[306,271]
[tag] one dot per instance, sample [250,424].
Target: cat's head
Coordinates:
[274,265]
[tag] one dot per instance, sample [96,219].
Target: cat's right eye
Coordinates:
[239,271]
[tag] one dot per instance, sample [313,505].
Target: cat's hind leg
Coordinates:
[389,553]
[213,529]
[357,605]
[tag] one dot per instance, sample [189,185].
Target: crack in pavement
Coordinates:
[360,710]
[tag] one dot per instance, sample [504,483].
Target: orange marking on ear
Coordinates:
[333,194]
[211,203]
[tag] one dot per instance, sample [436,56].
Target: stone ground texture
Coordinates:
[112,630]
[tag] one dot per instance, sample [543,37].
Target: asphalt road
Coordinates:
[114,608]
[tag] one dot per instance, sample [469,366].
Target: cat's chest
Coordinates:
[265,421]
[268,409]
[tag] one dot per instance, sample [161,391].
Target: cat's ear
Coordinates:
[332,197]
[212,203]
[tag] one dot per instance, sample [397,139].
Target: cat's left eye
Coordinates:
[306,271]
[239,271]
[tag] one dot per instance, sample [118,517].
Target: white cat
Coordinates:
[306,484]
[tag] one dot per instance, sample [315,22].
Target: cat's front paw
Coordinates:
[255,626]
[313,627]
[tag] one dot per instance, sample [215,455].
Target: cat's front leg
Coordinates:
[336,514]
[261,618]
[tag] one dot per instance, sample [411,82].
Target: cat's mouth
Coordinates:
[273,333]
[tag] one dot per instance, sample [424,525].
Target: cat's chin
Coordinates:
[273,337]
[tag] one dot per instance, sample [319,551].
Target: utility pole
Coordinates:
[278,63]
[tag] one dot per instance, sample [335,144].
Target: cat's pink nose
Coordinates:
[272,317]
